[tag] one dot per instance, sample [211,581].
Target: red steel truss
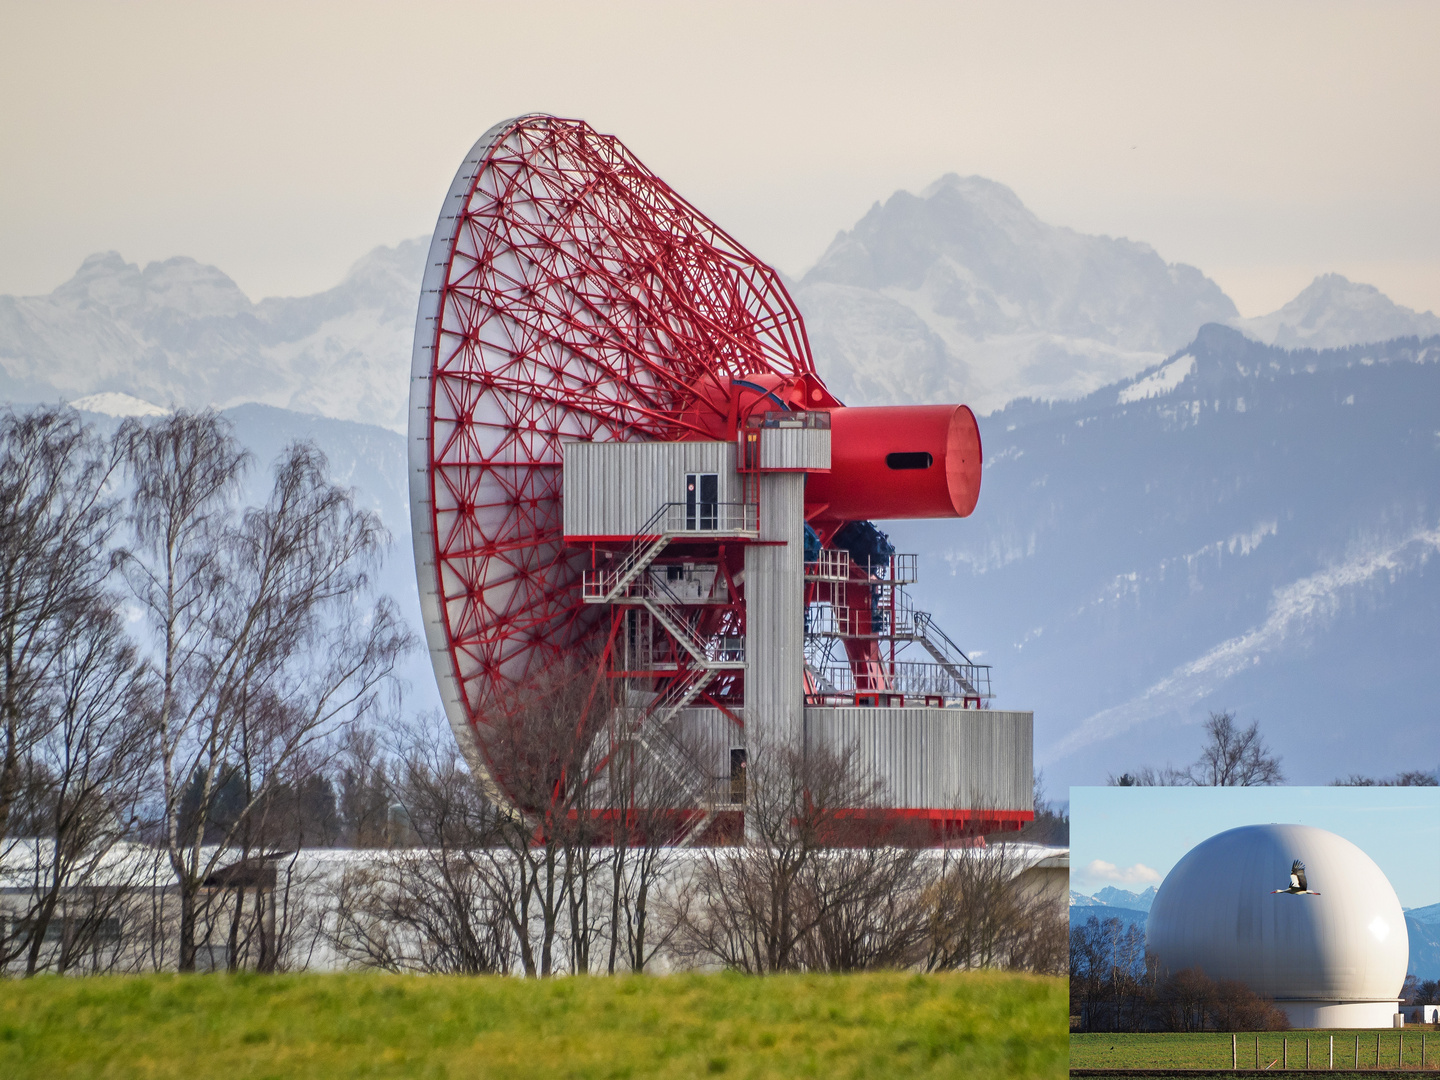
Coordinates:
[581,298]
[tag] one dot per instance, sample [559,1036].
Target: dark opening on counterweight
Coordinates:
[918,459]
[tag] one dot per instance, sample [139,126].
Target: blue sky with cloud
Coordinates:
[1132,837]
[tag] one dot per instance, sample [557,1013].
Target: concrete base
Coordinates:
[1339,1014]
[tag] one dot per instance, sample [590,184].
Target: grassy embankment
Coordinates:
[977,1024]
[1211,1050]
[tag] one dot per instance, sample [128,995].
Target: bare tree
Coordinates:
[56,520]
[73,708]
[752,906]
[488,887]
[1149,776]
[1190,1000]
[1231,757]
[873,905]
[249,902]
[1051,824]
[1115,987]
[1110,983]
[641,826]
[1234,757]
[264,647]
[1408,778]
[984,913]
[290,903]
[433,907]
[581,830]
[90,771]
[364,796]
[537,746]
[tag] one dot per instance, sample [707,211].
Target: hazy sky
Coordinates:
[1132,837]
[280,141]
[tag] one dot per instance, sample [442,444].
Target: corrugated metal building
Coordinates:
[700,546]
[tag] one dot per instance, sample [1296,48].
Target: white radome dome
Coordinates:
[1336,959]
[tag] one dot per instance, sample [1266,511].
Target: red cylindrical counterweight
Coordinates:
[901,461]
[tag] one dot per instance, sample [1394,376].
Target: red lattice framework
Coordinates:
[581,298]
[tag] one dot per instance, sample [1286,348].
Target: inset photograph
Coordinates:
[1254,929]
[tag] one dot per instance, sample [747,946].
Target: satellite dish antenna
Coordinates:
[569,294]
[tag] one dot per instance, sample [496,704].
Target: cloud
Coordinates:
[1295,609]
[1139,874]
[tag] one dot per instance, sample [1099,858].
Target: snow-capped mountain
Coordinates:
[960,293]
[1132,909]
[1429,914]
[181,333]
[1333,312]
[1424,948]
[957,294]
[1110,896]
[1114,897]
[1241,527]
[111,403]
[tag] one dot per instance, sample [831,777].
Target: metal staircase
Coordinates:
[649,726]
[650,729]
[669,523]
[626,583]
[604,587]
[973,678]
[685,636]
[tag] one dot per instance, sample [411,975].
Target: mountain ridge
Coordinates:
[178,332]
[959,293]
[1110,896]
[989,301]
[1135,564]
[1334,312]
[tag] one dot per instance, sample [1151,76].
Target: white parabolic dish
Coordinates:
[1337,959]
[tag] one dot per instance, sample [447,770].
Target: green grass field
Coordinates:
[239,1026]
[1211,1050]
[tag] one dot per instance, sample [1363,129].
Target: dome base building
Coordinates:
[1300,915]
[1340,1014]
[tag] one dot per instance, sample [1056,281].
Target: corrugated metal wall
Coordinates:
[612,488]
[775,611]
[972,758]
[709,735]
[927,758]
[795,448]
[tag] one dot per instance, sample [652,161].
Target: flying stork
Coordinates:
[1297,882]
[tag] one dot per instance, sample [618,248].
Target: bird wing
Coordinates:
[1299,876]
